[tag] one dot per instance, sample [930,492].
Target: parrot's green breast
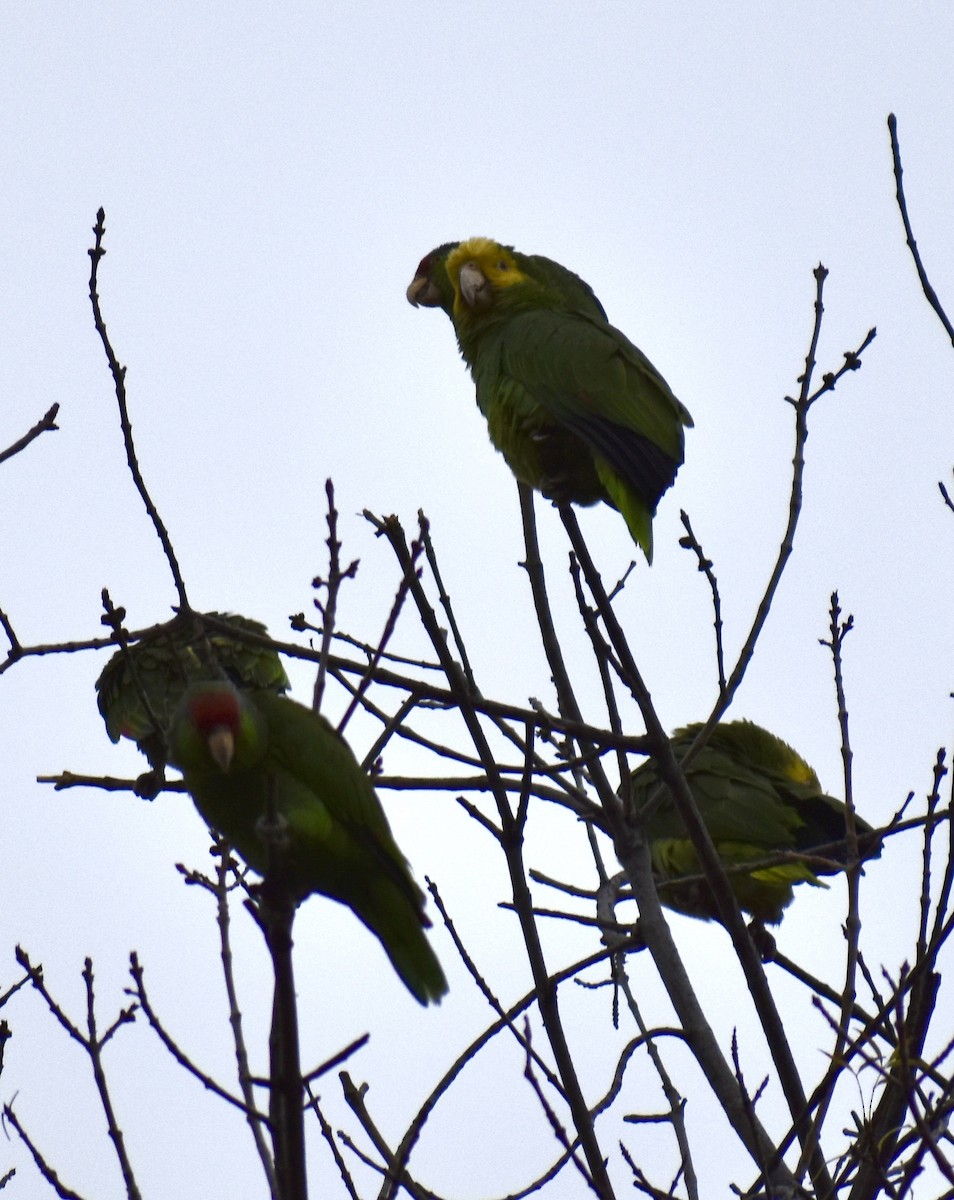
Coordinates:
[314,853]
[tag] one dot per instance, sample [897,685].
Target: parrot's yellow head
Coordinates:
[480,269]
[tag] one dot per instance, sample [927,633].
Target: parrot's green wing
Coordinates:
[307,747]
[758,798]
[143,684]
[338,842]
[543,374]
[566,290]
[595,382]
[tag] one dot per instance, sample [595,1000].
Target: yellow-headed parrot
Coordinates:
[579,412]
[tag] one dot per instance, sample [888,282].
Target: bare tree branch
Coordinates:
[46,423]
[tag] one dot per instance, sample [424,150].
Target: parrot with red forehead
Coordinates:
[579,413]
[241,751]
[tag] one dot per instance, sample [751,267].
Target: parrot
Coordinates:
[236,749]
[758,798]
[161,665]
[578,412]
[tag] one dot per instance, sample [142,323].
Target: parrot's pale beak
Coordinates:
[221,745]
[474,288]
[422,293]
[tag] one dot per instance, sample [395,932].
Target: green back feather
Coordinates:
[163,663]
[758,797]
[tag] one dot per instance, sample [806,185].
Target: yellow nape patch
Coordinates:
[495,262]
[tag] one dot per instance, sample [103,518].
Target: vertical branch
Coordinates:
[373,663]
[332,585]
[704,564]
[878,1140]
[533,565]
[513,827]
[275,915]
[635,857]
[566,698]
[235,1020]
[601,652]
[838,1060]
[942,908]
[425,527]
[801,406]
[806,398]
[927,858]
[94,1045]
[119,380]
[546,990]
[929,291]
[287,1091]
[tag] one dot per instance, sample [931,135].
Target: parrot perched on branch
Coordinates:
[162,664]
[579,412]
[238,751]
[758,799]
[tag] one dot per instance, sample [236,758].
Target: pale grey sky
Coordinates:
[271,177]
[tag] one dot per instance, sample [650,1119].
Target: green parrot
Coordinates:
[236,748]
[758,798]
[579,412]
[162,664]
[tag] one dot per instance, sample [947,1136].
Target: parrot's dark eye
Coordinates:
[501,266]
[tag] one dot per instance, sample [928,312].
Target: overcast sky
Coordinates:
[271,176]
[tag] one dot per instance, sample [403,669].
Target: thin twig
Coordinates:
[704,564]
[371,672]
[552,1119]
[332,586]
[838,1060]
[90,1042]
[328,1134]
[46,423]
[51,1177]
[484,987]
[119,380]
[139,991]
[444,597]
[256,1121]
[470,1052]
[801,405]
[93,1045]
[929,291]
[395,1172]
